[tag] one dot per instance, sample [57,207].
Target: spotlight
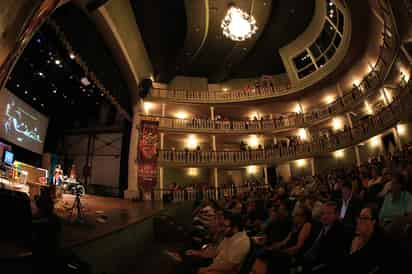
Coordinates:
[57,62]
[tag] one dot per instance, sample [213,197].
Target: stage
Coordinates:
[102,216]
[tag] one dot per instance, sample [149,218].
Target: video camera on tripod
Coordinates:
[78,190]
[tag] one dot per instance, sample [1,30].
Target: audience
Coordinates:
[397,205]
[345,220]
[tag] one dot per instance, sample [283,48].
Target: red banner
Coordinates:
[147,154]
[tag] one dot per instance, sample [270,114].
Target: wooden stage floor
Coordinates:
[102,216]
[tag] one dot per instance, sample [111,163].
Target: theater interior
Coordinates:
[213,136]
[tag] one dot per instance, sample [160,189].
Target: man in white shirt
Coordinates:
[232,250]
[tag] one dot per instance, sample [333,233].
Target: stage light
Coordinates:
[57,62]
[402,129]
[26,92]
[17,85]
[34,98]
[85,81]
[337,124]
[251,169]
[40,73]
[54,91]
[338,154]
[72,56]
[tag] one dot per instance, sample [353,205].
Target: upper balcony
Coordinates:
[385,119]
[388,51]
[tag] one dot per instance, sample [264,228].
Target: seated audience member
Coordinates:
[397,205]
[253,217]
[367,246]
[375,185]
[296,241]
[330,243]
[348,206]
[204,218]
[232,250]
[386,182]
[226,257]
[366,254]
[47,229]
[278,225]
[313,203]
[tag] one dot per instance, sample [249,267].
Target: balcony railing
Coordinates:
[389,49]
[385,119]
[228,126]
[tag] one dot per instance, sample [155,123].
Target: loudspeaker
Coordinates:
[95,4]
[144,87]
[272,176]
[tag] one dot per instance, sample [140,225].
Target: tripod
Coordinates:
[77,209]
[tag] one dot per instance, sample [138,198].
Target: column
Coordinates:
[213,142]
[215,171]
[265,172]
[163,110]
[161,169]
[355,147]
[132,191]
[216,182]
[397,138]
[357,155]
[312,166]
[212,113]
[385,98]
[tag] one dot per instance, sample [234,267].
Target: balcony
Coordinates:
[369,87]
[385,119]
[376,76]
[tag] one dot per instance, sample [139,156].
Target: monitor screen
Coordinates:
[8,157]
[21,124]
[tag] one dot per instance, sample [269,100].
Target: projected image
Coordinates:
[20,123]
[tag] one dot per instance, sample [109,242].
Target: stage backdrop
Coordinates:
[147,154]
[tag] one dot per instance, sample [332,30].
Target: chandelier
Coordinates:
[238,25]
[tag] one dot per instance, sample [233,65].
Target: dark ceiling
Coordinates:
[180,42]
[48,78]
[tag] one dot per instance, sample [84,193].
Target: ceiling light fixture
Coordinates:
[238,25]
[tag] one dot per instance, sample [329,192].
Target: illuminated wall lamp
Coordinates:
[339,154]
[301,163]
[402,129]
